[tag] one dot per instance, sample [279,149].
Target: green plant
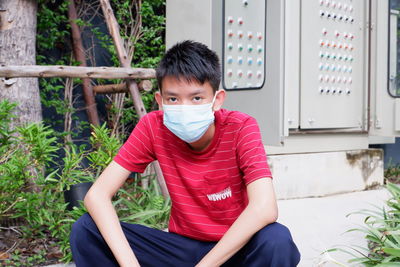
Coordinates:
[382,231]
[392,173]
[143,206]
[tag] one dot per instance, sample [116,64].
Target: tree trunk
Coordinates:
[17,47]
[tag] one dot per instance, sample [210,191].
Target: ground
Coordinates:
[17,251]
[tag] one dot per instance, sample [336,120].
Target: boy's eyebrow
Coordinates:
[169,93]
[198,91]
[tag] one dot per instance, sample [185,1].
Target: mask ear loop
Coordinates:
[215,97]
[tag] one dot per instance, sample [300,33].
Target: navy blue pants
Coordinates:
[271,246]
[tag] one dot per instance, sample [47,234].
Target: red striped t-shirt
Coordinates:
[207,188]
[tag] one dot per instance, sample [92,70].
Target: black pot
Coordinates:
[76,192]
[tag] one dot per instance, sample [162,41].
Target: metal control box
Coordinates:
[314,73]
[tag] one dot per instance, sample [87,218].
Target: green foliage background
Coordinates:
[37,155]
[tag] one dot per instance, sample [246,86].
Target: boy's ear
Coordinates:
[219,99]
[158,97]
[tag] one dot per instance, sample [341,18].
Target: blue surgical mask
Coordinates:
[189,122]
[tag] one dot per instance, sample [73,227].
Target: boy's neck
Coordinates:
[205,140]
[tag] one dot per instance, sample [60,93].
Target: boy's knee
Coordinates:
[80,228]
[276,238]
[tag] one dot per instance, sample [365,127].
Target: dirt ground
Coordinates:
[17,251]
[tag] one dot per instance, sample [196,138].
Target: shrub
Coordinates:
[27,159]
[382,231]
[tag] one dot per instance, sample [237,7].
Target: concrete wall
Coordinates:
[326,173]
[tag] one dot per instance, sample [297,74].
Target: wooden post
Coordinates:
[113,28]
[20,71]
[79,53]
[144,85]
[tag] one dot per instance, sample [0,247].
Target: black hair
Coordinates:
[192,61]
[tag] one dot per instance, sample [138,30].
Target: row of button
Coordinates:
[240,60]
[334,16]
[346,35]
[337,5]
[339,57]
[240,73]
[333,67]
[334,90]
[332,44]
[334,79]
[240,34]
[250,47]
[248,85]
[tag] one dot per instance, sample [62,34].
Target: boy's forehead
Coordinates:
[173,85]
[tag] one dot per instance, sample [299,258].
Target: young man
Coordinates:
[215,167]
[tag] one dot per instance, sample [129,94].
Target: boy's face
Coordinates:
[181,92]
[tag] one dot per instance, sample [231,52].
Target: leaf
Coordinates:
[389,264]
[392,251]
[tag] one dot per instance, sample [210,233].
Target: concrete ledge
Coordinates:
[318,224]
[327,173]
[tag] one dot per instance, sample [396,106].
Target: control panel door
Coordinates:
[333,64]
[385,68]
[252,63]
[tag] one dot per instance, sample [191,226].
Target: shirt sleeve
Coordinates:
[137,152]
[251,153]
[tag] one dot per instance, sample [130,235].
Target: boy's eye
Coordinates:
[172,99]
[197,98]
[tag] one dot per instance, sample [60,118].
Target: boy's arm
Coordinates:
[261,210]
[99,205]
